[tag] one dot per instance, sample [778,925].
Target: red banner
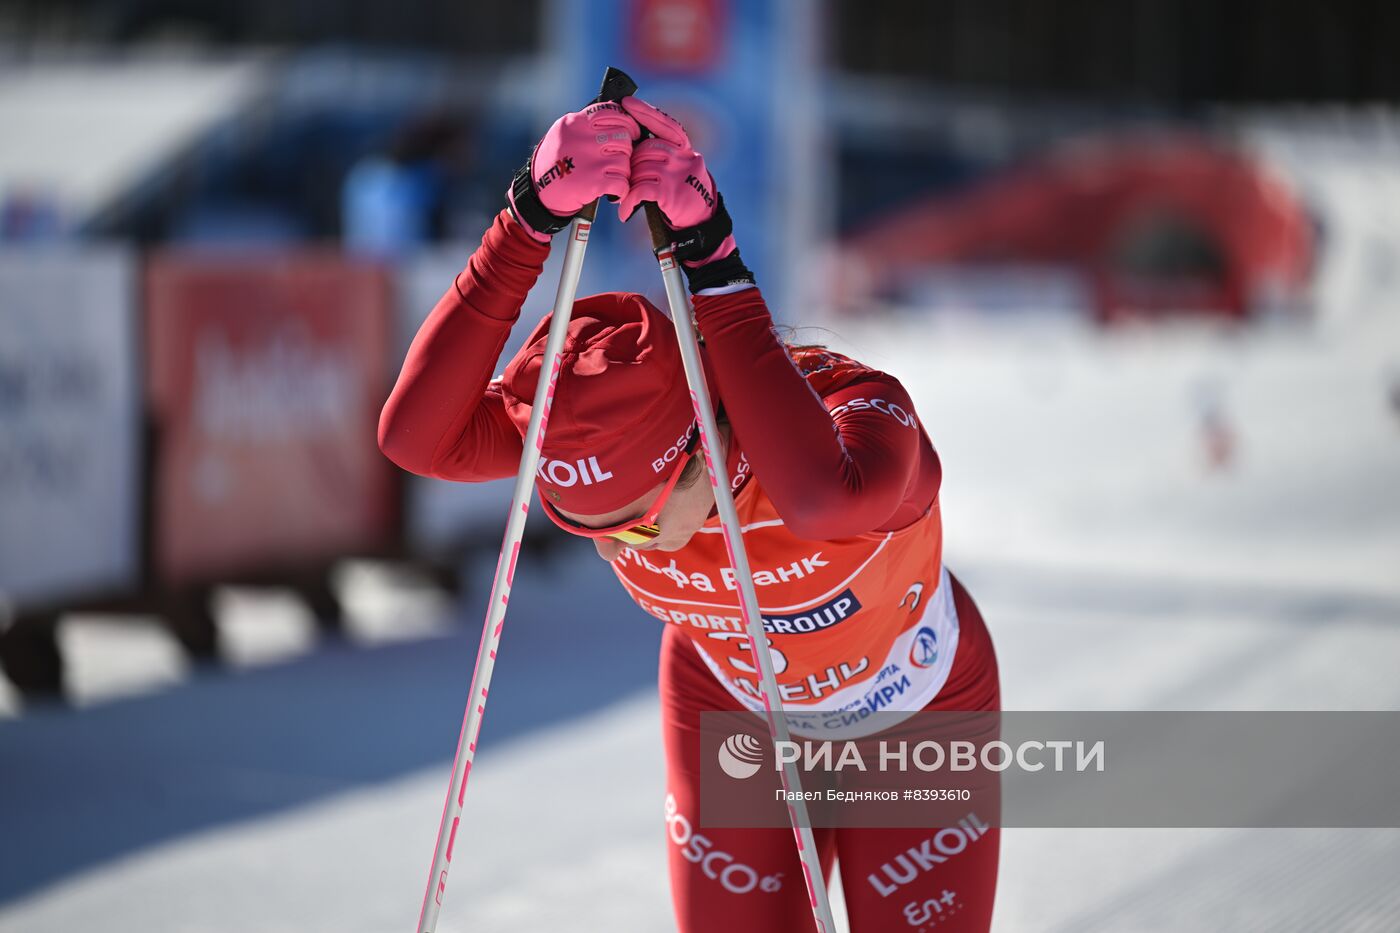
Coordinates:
[678,36]
[266,376]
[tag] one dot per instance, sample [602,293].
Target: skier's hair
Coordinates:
[695,468]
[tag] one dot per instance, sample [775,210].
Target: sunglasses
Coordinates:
[636,530]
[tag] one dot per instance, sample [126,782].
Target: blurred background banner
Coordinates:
[69,422]
[740,77]
[266,378]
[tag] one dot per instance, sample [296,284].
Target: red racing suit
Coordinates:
[837,489]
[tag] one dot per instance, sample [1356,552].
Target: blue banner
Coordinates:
[725,70]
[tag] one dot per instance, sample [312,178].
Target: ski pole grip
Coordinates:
[661,235]
[616,85]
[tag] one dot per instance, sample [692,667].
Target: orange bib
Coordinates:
[854,625]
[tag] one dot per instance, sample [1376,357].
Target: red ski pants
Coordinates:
[750,880]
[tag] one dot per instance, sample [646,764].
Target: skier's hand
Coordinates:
[667,169]
[584,156]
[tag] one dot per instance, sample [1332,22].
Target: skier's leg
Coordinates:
[921,878]
[735,880]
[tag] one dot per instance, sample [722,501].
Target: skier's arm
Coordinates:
[441,420]
[852,462]
[831,473]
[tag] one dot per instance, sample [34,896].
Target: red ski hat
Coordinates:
[621,411]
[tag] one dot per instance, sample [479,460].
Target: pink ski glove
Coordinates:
[667,170]
[582,157]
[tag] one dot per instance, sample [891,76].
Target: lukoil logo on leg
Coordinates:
[740,756]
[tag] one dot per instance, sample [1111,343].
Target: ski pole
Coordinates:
[679,303]
[510,545]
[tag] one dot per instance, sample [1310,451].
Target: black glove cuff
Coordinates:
[527,207]
[727,271]
[698,242]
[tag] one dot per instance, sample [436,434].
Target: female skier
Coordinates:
[836,485]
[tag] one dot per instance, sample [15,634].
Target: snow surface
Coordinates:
[1116,568]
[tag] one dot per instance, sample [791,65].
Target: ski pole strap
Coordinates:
[526,204]
[695,243]
[691,244]
[727,271]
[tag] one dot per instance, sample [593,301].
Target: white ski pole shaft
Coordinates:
[679,301]
[505,569]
